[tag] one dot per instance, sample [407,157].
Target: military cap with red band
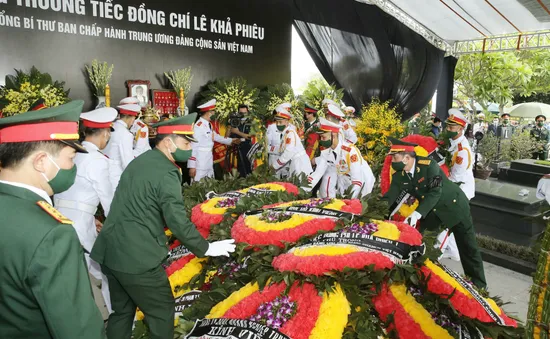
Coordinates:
[456,118]
[399,146]
[99,118]
[129,109]
[180,126]
[328,126]
[335,111]
[49,124]
[310,109]
[207,106]
[282,114]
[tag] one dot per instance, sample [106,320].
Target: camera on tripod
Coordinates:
[236,119]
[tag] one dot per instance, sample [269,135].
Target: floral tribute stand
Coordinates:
[319,269]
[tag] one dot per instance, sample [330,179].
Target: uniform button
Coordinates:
[417,188]
[422,197]
[435,210]
[454,200]
[167,243]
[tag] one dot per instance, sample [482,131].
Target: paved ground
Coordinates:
[511,286]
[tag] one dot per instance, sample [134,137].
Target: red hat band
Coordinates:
[457,120]
[93,124]
[310,110]
[332,129]
[58,130]
[176,129]
[209,108]
[401,148]
[127,112]
[336,116]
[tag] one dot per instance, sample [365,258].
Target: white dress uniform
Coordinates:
[330,178]
[203,159]
[141,137]
[351,168]
[348,125]
[543,189]
[121,146]
[462,166]
[91,188]
[293,154]
[274,137]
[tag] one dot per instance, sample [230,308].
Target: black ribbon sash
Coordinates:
[476,296]
[177,253]
[185,301]
[314,211]
[398,252]
[232,329]
[236,194]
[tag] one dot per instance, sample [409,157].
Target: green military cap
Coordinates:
[310,108]
[399,146]
[44,124]
[181,126]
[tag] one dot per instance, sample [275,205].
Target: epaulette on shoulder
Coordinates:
[346,148]
[460,147]
[199,124]
[54,213]
[425,162]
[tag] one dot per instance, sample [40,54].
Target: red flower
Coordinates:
[179,264]
[386,304]
[203,221]
[409,235]
[247,307]
[466,306]
[320,264]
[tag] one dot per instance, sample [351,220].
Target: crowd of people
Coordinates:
[45,265]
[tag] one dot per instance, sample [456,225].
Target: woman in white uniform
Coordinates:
[91,188]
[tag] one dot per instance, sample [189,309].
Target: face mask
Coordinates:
[325,143]
[63,180]
[452,135]
[398,166]
[281,127]
[505,122]
[540,123]
[179,154]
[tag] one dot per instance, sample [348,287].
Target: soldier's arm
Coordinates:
[434,182]
[59,281]
[463,164]
[314,178]
[104,188]
[222,140]
[351,136]
[355,174]
[126,148]
[311,144]
[394,191]
[192,162]
[173,211]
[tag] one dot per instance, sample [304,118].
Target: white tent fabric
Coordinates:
[454,20]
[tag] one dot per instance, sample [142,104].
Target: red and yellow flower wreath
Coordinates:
[211,211]
[443,284]
[320,259]
[411,319]
[254,231]
[426,145]
[316,317]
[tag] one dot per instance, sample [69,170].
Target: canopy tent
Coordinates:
[467,26]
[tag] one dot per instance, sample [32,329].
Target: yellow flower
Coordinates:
[333,315]
[418,313]
[406,210]
[256,224]
[221,308]
[182,277]
[386,230]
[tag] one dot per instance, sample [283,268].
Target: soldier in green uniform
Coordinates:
[542,137]
[45,289]
[132,245]
[441,203]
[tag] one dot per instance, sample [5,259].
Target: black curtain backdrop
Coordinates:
[445,88]
[370,54]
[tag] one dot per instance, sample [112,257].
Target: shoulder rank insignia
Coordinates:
[354,158]
[347,149]
[54,213]
[460,147]
[424,162]
[199,123]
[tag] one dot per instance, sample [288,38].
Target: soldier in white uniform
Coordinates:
[461,172]
[201,163]
[139,129]
[348,125]
[120,148]
[292,150]
[328,183]
[91,188]
[346,160]
[273,137]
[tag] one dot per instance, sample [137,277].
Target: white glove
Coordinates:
[221,248]
[413,218]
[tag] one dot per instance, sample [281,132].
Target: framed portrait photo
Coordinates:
[139,89]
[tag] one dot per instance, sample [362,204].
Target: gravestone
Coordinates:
[523,172]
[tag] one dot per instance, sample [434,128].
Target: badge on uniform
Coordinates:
[421,180]
[142,134]
[354,158]
[199,123]
[54,213]
[288,141]
[459,160]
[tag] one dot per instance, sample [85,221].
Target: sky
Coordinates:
[303,68]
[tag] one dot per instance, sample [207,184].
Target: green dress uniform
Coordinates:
[45,289]
[542,137]
[442,202]
[132,244]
